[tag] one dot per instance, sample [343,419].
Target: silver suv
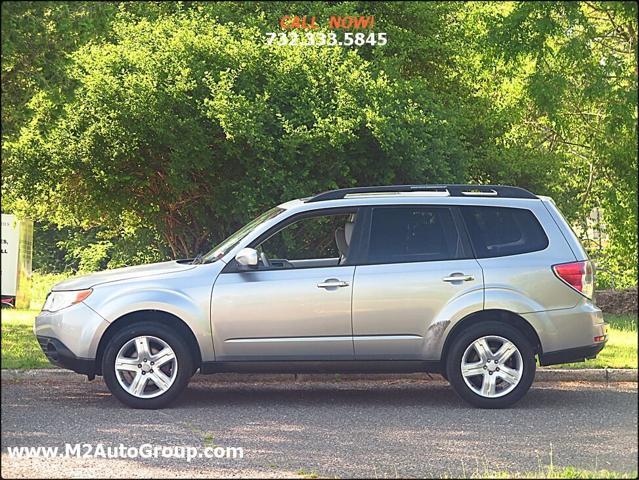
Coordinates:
[472,282]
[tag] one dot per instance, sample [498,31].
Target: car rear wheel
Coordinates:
[147,365]
[491,365]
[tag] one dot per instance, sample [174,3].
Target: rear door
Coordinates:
[415,261]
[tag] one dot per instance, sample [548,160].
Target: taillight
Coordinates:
[579,275]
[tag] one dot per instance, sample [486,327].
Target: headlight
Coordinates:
[58,300]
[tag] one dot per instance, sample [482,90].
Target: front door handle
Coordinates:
[332,283]
[458,277]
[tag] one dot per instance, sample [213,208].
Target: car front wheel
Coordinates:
[491,365]
[147,365]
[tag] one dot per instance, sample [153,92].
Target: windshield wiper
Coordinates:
[198,259]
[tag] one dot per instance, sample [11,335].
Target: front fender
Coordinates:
[115,304]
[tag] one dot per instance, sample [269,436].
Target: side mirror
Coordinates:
[247,257]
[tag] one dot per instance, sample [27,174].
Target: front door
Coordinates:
[296,305]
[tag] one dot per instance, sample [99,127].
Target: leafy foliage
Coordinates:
[576,64]
[184,126]
[143,131]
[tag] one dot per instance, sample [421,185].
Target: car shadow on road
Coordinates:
[398,395]
[208,393]
[320,395]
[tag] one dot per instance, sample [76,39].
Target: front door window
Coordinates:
[313,241]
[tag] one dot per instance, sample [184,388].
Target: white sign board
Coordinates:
[10,246]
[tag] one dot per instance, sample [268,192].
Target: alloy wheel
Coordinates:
[146,366]
[492,366]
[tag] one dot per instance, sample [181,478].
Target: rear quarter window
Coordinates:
[503,231]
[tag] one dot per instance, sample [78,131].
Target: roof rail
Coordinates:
[503,191]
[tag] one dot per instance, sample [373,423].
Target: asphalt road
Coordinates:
[340,429]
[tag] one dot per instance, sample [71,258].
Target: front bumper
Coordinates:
[70,337]
[58,354]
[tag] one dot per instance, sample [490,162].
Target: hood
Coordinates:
[126,273]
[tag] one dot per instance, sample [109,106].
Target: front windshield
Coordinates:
[222,248]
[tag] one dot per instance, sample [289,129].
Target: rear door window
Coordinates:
[413,234]
[502,231]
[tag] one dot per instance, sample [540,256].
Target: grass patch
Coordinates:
[557,472]
[304,474]
[20,348]
[621,349]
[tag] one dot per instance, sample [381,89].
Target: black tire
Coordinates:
[466,338]
[179,346]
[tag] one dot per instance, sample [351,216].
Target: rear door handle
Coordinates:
[332,283]
[458,277]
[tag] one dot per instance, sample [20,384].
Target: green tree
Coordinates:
[564,75]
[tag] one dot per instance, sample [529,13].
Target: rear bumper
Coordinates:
[58,354]
[568,329]
[571,355]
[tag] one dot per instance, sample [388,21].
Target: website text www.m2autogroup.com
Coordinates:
[144,451]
